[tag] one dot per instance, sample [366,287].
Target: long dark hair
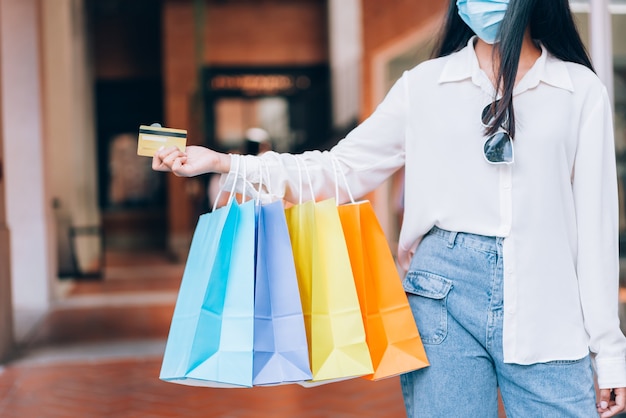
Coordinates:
[551,23]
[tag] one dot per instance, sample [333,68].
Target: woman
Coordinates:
[509,236]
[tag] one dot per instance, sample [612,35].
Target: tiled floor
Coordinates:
[130,388]
[98,354]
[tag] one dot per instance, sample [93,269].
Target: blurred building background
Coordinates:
[78,77]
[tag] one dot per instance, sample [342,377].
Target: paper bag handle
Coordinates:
[232,189]
[337,168]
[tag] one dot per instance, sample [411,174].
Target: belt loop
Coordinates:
[451,239]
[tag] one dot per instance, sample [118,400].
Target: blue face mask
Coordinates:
[483,17]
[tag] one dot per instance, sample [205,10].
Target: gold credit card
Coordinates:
[151,138]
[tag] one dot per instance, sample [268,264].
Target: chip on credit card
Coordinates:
[153,137]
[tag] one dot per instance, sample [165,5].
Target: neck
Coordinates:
[489,61]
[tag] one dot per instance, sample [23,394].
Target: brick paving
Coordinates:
[98,354]
[130,388]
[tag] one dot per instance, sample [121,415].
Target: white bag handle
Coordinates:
[337,168]
[300,164]
[263,165]
[308,176]
[232,190]
[243,180]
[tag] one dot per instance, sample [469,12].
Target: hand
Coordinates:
[612,402]
[194,161]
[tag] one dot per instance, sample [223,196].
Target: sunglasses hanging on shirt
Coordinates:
[498,148]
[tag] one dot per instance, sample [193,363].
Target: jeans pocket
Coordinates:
[427,294]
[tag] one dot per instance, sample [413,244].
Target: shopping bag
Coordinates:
[335,305]
[210,342]
[300,221]
[333,321]
[281,353]
[392,336]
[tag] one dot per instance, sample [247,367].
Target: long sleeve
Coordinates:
[595,200]
[368,155]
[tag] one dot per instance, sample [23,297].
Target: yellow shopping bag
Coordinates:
[332,314]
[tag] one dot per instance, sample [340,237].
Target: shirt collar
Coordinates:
[463,65]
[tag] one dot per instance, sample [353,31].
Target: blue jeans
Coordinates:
[454,287]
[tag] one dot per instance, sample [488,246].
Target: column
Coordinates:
[6,305]
[601,44]
[346,51]
[180,83]
[24,174]
[69,129]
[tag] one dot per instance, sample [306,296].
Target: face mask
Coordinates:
[483,17]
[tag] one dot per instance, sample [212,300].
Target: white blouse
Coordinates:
[556,206]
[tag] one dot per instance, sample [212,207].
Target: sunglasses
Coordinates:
[498,148]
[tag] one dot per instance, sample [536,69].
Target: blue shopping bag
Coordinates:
[281,353]
[211,335]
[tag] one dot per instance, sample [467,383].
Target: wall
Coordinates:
[392,30]
[254,33]
[386,23]
[266,32]
[126,38]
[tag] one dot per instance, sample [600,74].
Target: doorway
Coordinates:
[126,38]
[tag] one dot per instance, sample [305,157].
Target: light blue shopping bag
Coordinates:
[211,336]
[281,353]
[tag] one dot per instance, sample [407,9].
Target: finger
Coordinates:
[620,400]
[157,161]
[170,158]
[179,168]
[611,412]
[159,157]
[158,165]
[603,401]
[620,396]
[616,405]
[163,154]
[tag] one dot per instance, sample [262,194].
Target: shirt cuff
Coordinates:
[611,373]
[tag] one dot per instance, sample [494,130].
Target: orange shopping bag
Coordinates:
[392,336]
